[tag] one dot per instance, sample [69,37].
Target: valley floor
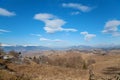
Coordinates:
[104,67]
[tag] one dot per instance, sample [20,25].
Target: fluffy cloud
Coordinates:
[3,31]
[6,45]
[4,12]
[88,36]
[76,6]
[111,27]
[44,39]
[36,35]
[55,40]
[52,23]
[75,13]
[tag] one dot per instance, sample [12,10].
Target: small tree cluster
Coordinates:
[2,52]
[14,53]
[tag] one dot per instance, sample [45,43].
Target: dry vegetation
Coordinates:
[64,65]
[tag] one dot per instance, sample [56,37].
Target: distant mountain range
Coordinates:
[40,48]
[82,47]
[104,47]
[25,48]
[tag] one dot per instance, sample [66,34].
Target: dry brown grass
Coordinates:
[37,71]
[6,75]
[104,62]
[67,66]
[69,62]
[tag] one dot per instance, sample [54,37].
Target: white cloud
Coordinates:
[75,13]
[52,23]
[25,45]
[84,33]
[77,6]
[4,12]
[44,39]
[54,40]
[3,31]
[69,29]
[87,36]
[6,45]
[57,40]
[111,27]
[36,35]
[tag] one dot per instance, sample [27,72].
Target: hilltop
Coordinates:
[64,65]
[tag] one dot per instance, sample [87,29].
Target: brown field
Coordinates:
[64,65]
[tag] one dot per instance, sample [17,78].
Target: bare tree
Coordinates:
[14,53]
[1,50]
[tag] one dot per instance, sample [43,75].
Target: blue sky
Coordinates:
[59,22]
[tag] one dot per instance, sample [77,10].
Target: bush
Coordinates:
[85,65]
[71,62]
[90,62]
[14,53]
[5,75]
[2,52]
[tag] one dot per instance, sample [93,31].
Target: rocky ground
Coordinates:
[66,66]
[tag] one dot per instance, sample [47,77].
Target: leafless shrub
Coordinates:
[14,53]
[85,65]
[90,62]
[111,70]
[2,52]
[22,77]
[71,62]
